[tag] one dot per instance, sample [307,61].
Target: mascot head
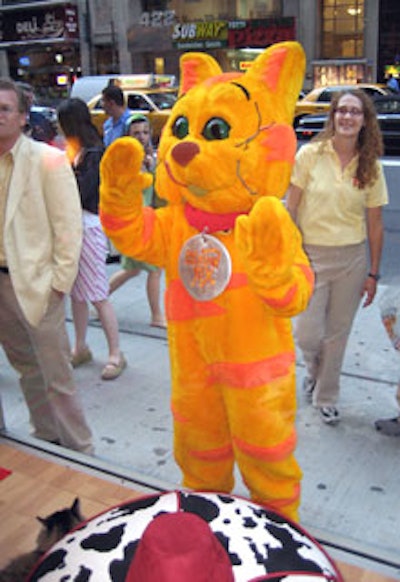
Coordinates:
[229,139]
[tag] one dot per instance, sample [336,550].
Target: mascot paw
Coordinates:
[267,236]
[120,169]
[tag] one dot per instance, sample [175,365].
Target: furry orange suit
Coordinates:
[224,163]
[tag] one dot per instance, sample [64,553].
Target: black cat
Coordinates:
[55,526]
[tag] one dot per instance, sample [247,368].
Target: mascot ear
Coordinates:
[195,68]
[280,70]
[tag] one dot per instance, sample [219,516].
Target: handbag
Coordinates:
[389,306]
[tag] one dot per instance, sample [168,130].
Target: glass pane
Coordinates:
[328,12]
[325,97]
[138,102]
[343,22]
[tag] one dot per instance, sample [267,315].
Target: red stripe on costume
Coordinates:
[111,222]
[149,218]
[308,272]
[269,454]
[280,504]
[283,301]
[219,454]
[181,306]
[251,374]
[237,280]
[177,416]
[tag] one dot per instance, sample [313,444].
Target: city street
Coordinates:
[390,259]
[351,472]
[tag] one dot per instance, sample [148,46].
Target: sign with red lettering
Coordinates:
[260,33]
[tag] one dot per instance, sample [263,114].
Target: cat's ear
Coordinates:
[42,520]
[195,68]
[280,69]
[75,508]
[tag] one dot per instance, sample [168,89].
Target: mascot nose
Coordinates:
[184,152]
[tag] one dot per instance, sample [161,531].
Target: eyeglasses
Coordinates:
[353,111]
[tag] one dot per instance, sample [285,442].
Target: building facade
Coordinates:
[49,43]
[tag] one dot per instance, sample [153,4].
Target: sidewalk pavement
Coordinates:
[351,472]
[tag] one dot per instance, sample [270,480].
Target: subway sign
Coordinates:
[258,33]
[200,35]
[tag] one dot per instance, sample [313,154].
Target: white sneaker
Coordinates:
[329,414]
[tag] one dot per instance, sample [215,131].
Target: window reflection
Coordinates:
[342,29]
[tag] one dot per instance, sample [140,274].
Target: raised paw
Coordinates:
[121,166]
[267,235]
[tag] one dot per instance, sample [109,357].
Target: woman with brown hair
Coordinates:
[336,196]
[85,150]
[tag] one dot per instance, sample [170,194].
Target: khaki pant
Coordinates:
[323,329]
[41,357]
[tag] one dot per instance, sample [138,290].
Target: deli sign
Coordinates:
[33,25]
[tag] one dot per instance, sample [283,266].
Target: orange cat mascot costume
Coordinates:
[235,269]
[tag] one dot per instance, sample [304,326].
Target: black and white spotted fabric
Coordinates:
[261,544]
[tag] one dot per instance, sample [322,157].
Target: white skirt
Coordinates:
[91,283]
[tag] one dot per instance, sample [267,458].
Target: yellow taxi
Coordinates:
[318,100]
[152,95]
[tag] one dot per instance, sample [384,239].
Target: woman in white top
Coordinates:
[336,196]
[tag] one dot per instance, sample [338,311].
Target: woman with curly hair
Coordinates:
[336,196]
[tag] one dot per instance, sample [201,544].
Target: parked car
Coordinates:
[318,100]
[388,115]
[42,123]
[49,113]
[152,95]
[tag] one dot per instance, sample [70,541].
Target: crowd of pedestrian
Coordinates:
[52,247]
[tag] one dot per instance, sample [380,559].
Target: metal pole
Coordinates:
[119,23]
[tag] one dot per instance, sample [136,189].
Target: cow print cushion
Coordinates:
[261,544]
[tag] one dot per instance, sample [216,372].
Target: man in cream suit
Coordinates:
[40,240]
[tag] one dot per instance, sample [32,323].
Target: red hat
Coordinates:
[177,547]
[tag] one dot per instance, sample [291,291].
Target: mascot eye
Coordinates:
[180,128]
[216,128]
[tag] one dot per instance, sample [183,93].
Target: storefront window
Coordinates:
[259,9]
[389,40]
[342,29]
[225,9]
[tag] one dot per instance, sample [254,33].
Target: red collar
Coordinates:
[209,221]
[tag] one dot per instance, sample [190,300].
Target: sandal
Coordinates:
[112,370]
[389,426]
[159,324]
[82,357]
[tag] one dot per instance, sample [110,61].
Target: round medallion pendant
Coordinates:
[205,267]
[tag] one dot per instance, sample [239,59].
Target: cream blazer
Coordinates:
[43,226]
